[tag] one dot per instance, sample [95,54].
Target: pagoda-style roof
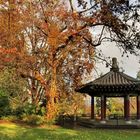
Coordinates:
[113,83]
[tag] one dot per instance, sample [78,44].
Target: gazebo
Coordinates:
[113,84]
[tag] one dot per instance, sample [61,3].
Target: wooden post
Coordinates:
[92,107]
[124,107]
[138,107]
[127,108]
[102,108]
[105,107]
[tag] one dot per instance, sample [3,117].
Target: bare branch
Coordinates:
[71,5]
[92,7]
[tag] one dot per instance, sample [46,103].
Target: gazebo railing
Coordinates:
[111,117]
[122,117]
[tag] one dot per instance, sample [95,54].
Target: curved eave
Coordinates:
[83,89]
[107,89]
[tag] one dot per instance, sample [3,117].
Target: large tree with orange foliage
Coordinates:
[53,39]
[64,34]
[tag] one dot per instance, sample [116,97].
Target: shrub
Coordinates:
[9,118]
[41,111]
[29,109]
[33,119]
[19,111]
[4,104]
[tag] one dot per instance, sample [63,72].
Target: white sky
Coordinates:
[129,64]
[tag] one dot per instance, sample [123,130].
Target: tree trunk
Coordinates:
[51,95]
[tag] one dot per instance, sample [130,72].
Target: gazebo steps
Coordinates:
[90,124]
[117,126]
[109,126]
[86,124]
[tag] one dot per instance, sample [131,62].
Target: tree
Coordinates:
[61,43]
[119,19]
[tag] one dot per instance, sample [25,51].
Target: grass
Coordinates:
[11,131]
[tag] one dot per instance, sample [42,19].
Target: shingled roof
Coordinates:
[113,83]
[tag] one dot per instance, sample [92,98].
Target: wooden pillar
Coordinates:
[127,108]
[102,108]
[124,107]
[138,107]
[105,107]
[92,107]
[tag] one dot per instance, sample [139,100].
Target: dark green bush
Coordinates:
[4,104]
[33,119]
[41,111]
[29,109]
[19,111]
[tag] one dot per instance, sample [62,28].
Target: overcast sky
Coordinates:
[129,64]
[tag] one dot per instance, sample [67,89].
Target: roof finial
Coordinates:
[114,64]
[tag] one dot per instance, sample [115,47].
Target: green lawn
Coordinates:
[11,131]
